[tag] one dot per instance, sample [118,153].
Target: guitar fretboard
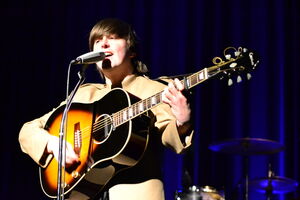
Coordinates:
[142,106]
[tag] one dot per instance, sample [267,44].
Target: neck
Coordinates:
[116,76]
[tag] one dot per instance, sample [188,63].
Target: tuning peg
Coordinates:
[237,53]
[245,50]
[233,65]
[227,56]
[230,82]
[249,76]
[239,79]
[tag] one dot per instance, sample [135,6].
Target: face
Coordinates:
[112,45]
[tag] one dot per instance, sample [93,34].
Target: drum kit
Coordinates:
[246,147]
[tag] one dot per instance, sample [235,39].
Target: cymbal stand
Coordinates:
[246,163]
[269,189]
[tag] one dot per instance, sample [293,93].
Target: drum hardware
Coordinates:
[247,147]
[272,184]
[210,193]
[199,193]
[192,193]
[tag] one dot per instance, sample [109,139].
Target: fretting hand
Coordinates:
[180,107]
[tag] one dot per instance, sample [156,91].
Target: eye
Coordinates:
[112,36]
[99,39]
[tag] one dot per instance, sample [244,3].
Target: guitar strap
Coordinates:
[104,196]
[161,81]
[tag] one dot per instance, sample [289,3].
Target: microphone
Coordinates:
[90,58]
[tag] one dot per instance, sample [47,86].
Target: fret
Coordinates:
[119,118]
[116,118]
[159,98]
[188,83]
[141,106]
[153,101]
[114,123]
[130,112]
[147,102]
[124,115]
[201,76]
[136,109]
[195,80]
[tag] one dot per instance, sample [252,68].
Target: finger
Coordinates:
[71,150]
[178,84]
[169,98]
[71,155]
[165,94]
[172,91]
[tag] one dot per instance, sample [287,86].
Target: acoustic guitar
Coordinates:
[114,129]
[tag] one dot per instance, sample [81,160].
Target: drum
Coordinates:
[210,193]
[199,193]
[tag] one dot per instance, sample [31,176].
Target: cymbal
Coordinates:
[247,146]
[273,185]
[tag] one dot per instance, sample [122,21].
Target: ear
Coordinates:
[132,55]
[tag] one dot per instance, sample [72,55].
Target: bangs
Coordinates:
[109,27]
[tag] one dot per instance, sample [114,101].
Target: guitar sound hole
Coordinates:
[102,128]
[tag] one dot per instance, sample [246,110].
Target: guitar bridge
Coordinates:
[77,139]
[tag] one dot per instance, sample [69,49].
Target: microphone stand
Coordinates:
[63,133]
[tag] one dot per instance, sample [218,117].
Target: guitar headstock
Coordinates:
[235,63]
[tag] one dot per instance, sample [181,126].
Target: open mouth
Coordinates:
[108,53]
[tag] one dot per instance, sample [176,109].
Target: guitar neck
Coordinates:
[145,105]
[195,79]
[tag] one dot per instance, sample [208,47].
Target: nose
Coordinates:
[105,43]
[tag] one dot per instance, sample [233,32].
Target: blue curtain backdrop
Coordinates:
[40,38]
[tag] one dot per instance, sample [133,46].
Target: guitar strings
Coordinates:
[118,117]
[106,121]
[96,127]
